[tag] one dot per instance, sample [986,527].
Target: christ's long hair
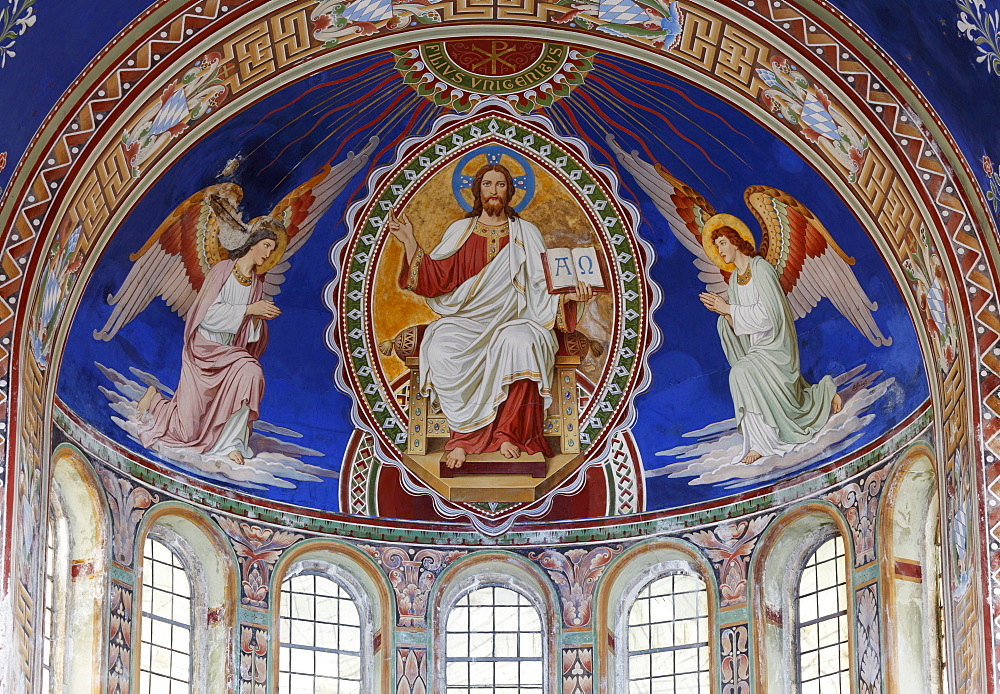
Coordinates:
[742,245]
[477,205]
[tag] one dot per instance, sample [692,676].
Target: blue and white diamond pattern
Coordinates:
[620,12]
[815,116]
[368,10]
[173,112]
[767,77]
[936,306]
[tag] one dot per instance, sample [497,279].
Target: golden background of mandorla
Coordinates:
[432,208]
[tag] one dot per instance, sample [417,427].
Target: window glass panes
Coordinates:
[668,637]
[493,643]
[822,629]
[165,650]
[942,643]
[48,611]
[320,632]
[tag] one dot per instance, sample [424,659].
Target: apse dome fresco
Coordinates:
[598,289]
[615,158]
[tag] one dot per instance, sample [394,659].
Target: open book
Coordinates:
[564,267]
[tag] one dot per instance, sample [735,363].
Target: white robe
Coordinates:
[220,324]
[495,328]
[776,409]
[750,318]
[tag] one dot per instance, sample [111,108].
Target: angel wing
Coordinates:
[809,262]
[173,263]
[301,209]
[685,210]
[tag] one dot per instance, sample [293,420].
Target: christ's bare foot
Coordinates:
[509,450]
[751,457]
[147,400]
[237,458]
[837,404]
[454,458]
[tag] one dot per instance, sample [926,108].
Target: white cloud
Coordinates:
[714,457]
[274,464]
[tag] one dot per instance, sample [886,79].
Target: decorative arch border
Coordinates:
[912,178]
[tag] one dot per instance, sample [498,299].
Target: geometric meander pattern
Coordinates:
[977,414]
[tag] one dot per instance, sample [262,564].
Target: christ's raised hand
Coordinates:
[402,229]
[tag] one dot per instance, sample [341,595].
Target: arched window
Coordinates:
[494,618]
[802,594]
[74,585]
[333,611]
[909,562]
[167,640]
[667,636]
[822,634]
[185,607]
[321,635]
[654,613]
[493,642]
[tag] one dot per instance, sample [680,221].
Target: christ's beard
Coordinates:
[494,207]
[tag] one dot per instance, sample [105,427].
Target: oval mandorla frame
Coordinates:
[573,201]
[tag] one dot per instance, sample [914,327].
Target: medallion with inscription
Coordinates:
[529,74]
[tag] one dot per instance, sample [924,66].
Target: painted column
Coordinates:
[411,574]
[128,504]
[728,547]
[257,548]
[575,573]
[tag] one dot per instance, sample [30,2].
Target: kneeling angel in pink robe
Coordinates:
[221,383]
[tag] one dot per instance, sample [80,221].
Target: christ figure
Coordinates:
[488,362]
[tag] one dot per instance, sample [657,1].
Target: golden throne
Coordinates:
[427,428]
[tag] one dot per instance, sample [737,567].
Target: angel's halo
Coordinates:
[723,220]
[279,249]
